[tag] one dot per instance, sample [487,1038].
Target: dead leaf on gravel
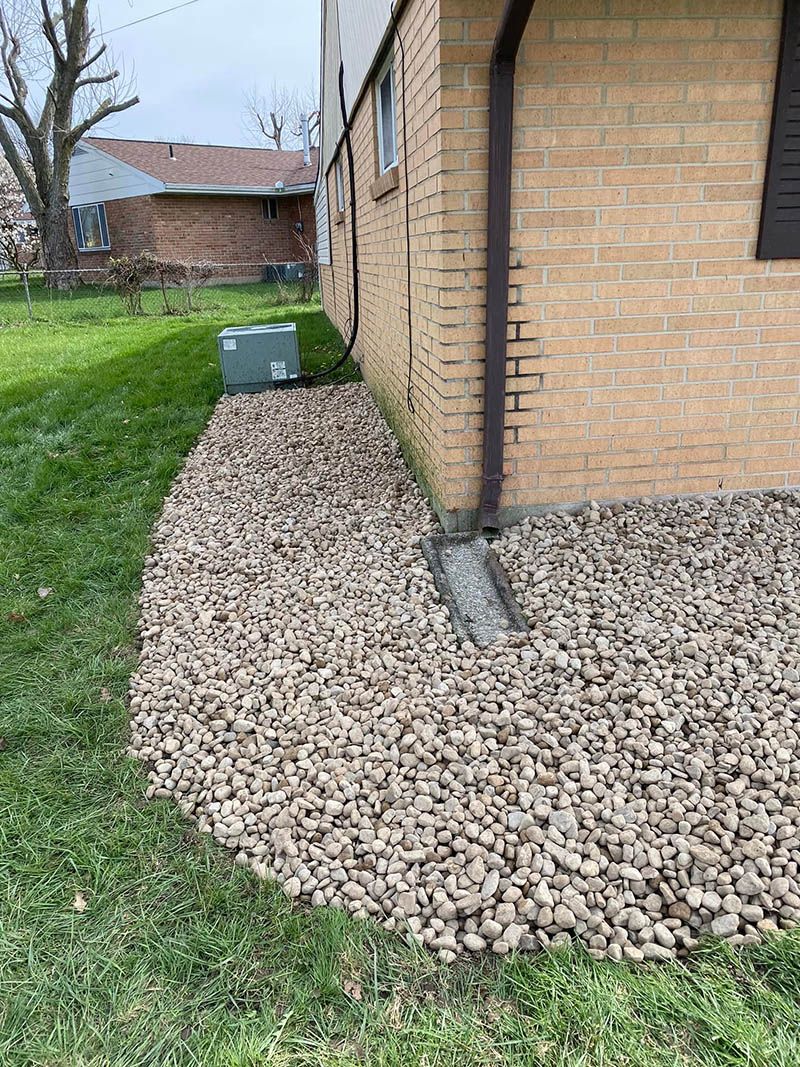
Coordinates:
[43,592]
[79,903]
[352,989]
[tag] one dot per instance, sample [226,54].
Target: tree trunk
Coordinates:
[58,251]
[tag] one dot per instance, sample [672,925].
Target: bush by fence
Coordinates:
[211,289]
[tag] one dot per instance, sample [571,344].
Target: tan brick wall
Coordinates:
[223,229]
[382,346]
[649,351]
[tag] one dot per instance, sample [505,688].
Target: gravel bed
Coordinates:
[626,774]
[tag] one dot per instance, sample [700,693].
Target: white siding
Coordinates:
[96,177]
[331,124]
[323,223]
[362,26]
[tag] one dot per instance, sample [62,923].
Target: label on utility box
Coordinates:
[228,344]
[279,373]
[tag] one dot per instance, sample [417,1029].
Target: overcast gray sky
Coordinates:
[193,65]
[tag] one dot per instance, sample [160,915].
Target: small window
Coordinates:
[91,228]
[269,207]
[385,105]
[339,185]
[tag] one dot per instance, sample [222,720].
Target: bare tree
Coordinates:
[276,117]
[266,116]
[184,138]
[56,83]
[306,105]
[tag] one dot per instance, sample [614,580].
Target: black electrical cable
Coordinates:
[409,381]
[351,174]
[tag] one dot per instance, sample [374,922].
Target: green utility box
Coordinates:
[255,358]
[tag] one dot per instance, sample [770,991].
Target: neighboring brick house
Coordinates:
[653,346]
[239,206]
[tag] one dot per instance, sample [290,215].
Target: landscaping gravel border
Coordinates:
[625,774]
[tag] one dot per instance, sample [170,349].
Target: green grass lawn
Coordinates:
[178,957]
[98,302]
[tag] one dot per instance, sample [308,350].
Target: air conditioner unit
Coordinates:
[255,358]
[285,272]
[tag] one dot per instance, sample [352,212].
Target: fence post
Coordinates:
[27,294]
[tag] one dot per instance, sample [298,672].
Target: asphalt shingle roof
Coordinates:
[195,164]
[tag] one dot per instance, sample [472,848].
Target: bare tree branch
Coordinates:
[97,79]
[93,58]
[50,34]
[276,117]
[106,109]
[51,41]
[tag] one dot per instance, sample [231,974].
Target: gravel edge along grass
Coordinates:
[128,940]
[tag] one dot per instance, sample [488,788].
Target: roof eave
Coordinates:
[239,190]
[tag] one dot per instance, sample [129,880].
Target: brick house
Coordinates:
[239,206]
[647,341]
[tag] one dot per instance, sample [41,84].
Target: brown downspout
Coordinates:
[498,234]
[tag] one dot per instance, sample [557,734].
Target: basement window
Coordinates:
[337,170]
[269,207]
[91,228]
[385,109]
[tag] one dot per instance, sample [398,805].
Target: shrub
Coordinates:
[127,276]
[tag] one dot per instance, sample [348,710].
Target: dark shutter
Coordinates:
[76,221]
[779,236]
[101,217]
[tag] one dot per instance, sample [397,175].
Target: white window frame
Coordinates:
[266,210]
[339,177]
[386,70]
[102,225]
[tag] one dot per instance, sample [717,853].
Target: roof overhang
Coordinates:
[238,190]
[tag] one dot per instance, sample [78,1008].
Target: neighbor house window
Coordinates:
[269,207]
[91,228]
[339,185]
[385,107]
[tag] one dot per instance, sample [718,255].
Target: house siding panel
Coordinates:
[363,25]
[97,178]
[323,224]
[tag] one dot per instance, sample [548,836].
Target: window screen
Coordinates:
[387,134]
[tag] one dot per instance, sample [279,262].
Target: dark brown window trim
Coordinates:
[386,183]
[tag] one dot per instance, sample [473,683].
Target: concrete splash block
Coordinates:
[474,586]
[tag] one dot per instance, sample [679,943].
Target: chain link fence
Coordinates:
[90,295]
